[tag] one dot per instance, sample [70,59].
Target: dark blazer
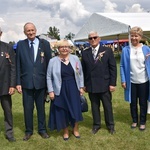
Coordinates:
[98,76]
[32,74]
[7,68]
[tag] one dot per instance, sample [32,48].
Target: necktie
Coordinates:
[32,50]
[94,53]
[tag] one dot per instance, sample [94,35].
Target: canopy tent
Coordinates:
[104,26]
[111,28]
[133,19]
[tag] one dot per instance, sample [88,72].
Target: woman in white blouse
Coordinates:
[135,75]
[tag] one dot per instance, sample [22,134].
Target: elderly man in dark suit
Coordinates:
[100,73]
[32,57]
[7,85]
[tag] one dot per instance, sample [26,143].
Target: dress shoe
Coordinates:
[134,125]
[27,137]
[112,131]
[95,130]
[66,137]
[76,136]
[44,135]
[11,139]
[142,127]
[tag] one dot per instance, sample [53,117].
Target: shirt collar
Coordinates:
[34,41]
[96,48]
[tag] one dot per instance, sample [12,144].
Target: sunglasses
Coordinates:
[95,37]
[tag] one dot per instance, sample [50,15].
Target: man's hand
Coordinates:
[112,88]
[19,89]
[11,90]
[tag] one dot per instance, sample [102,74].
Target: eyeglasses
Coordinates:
[62,47]
[94,37]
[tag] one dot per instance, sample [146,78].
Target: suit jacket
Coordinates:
[32,74]
[7,68]
[98,76]
[54,80]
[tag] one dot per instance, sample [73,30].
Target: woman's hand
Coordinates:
[51,95]
[123,85]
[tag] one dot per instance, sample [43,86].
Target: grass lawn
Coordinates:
[124,139]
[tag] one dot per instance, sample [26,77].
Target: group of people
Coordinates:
[34,73]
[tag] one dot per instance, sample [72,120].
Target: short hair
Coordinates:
[92,32]
[136,30]
[63,42]
[27,24]
[0,30]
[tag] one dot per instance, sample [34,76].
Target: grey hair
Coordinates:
[92,32]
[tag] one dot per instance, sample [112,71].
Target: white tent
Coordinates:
[114,26]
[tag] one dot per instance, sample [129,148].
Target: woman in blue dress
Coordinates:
[65,85]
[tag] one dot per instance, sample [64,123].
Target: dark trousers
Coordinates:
[6,104]
[107,105]
[139,91]
[29,97]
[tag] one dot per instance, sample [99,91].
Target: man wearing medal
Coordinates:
[7,83]
[32,57]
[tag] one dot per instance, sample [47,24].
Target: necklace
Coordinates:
[63,59]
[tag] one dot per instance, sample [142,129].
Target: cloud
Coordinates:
[1,20]
[66,15]
[110,7]
[134,8]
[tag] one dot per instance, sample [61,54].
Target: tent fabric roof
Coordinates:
[103,25]
[114,27]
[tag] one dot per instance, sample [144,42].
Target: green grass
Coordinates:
[124,139]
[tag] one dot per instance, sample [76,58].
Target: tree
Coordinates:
[54,32]
[70,36]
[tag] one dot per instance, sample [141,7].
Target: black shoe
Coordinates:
[66,138]
[76,136]
[142,127]
[112,131]
[44,135]
[12,139]
[27,137]
[95,130]
[134,125]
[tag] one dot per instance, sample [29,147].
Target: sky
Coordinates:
[66,15]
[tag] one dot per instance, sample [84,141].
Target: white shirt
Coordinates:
[137,65]
[95,49]
[35,45]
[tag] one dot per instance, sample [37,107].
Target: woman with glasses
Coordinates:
[65,84]
[135,75]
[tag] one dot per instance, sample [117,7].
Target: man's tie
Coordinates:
[32,50]
[94,53]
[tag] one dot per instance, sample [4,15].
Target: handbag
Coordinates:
[84,104]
